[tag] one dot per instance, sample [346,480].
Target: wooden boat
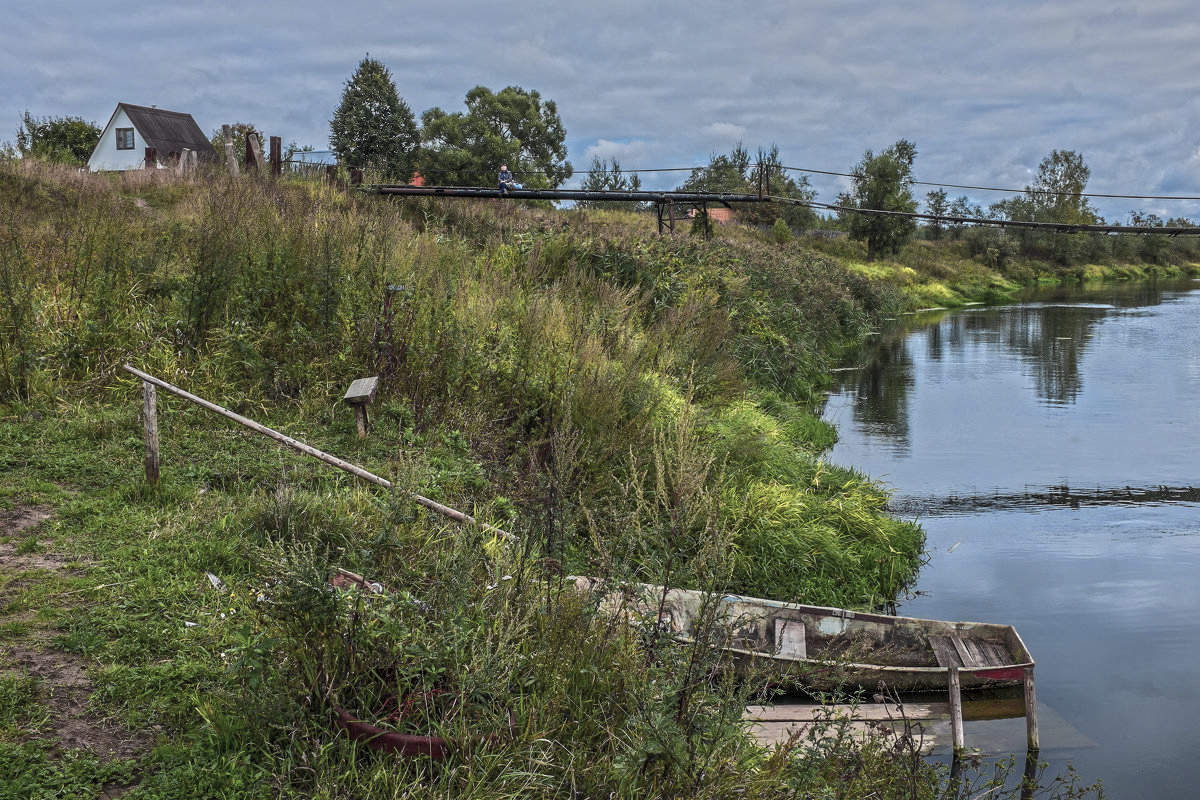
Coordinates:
[828,648]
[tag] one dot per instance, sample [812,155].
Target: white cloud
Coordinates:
[725,132]
[628,153]
[983,91]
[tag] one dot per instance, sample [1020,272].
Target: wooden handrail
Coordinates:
[320,455]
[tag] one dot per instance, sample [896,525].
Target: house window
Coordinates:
[124,138]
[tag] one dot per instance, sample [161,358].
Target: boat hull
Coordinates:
[828,649]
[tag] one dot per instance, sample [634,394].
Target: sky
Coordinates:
[985,90]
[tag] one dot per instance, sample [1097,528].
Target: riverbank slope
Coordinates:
[627,405]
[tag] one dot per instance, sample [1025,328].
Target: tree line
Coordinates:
[373,128]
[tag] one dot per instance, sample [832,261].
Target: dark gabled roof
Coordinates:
[168,131]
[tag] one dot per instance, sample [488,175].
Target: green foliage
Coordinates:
[780,232]
[630,406]
[736,173]
[239,131]
[605,177]
[882,182]
[512,126]
[372,126]
[67,140]
[1055,195]
[937,205]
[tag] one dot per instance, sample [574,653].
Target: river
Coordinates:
[1051,451]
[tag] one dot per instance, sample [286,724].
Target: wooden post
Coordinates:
[331,173]
[151,158]
[254,158]
[1031,722]
[956,718]
[230,158]
[276,156]
[356,176]
[150,421]
[360,394]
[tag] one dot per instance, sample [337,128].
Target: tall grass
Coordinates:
[507,326]
[633,408]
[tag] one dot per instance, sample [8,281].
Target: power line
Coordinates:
[1008,191]
[1056,227]
[809,170]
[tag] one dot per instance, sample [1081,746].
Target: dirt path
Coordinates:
[63,684]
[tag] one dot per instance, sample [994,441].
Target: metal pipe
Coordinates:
[565,194]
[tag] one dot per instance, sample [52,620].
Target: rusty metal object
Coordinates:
[387,741]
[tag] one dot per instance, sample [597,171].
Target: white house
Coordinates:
[132,129]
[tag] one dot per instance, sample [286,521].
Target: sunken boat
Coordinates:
[824,648]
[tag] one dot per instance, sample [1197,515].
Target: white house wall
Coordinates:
[106,156]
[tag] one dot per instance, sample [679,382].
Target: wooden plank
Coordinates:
[978,657]
[963,652]
[946,654]
[776,733]
[1031,718]
[806,712]
[362,390]
[789,638]
[994,653]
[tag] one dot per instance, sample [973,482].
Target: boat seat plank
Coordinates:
[947,654]
[969,659]
[994,653]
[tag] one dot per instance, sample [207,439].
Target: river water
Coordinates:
[1051,451]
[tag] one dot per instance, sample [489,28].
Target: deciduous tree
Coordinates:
[512,126]
[882,182]
[937,205]
[69,140]
[737,173]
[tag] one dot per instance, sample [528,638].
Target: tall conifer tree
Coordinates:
[373,127]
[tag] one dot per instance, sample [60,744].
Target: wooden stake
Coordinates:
[360,415]
[276,156]
[230,159]
[1031,721]
[150,420]
[956,717]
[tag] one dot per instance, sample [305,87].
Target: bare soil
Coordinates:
[65,689]
[62,677]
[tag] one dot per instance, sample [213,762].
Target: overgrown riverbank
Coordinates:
[627,405]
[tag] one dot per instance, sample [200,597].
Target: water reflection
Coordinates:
[1048,335]
[1049,450]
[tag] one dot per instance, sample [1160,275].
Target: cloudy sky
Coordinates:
[985,90]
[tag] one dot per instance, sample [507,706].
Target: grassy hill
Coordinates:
[628,405]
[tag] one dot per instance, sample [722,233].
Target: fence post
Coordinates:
[150,421]
[1031,720]
[253,152]
[230,158]
[276,156]
[956,719]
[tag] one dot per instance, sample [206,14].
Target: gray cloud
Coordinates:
[985,90]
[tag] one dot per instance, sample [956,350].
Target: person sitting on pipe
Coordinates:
[507,181]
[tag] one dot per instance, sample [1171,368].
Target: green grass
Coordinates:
[628,405]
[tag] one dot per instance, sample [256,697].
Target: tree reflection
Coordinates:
[1050,335]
